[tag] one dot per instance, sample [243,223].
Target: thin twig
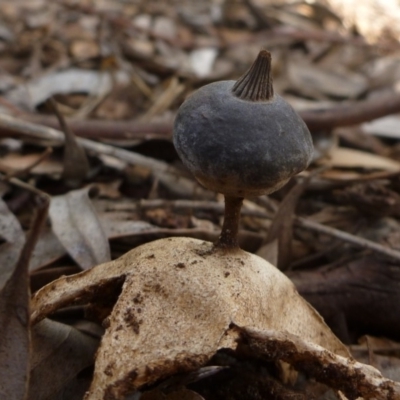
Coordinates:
[29,129]
[203,205]
[348,237]
[345,114]
[299,222]
[112,130]
[163,171]
[17,182]
[352,113]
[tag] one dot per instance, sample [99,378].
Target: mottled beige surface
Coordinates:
[177,303]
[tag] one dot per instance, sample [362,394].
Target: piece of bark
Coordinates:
[358,297]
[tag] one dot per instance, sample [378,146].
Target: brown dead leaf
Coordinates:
[48,249]
[73,80]
[12,233]
[316,81]
[76,164]
[386,127]
[355,296]
[59,353]
[370,198]
[77,227]
[16,162]
[349,158]
[270,251]
[165,99]
[116,226]
[14,318]
[84,49]
[281,228]
[193,295]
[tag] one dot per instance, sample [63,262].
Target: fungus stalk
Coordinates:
[230,228]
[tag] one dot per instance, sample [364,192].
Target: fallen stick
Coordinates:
[161,170]
[344,114]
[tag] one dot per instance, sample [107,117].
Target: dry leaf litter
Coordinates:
[117,72]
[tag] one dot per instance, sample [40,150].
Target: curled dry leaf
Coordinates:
[59,353]
[178,301]
[73,80]
[14,316]
[78,228]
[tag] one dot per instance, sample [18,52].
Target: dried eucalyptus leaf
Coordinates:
[281,228]
[59,353]
[314,81]
[350,158]
[47,250]
[78,228]
[15,334]
[14,316]
[72,80]
[177,304]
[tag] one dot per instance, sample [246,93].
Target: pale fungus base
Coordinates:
[179,301]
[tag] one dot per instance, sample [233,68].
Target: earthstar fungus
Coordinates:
[176,309]
[178,300]
[240,139]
